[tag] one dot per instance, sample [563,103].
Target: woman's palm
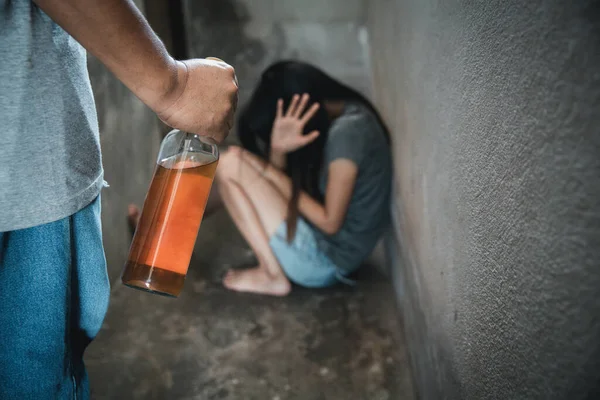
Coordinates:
[287,134]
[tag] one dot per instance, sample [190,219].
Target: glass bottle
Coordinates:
[164,239]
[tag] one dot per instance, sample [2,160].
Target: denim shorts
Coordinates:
[302,260]
[54,293]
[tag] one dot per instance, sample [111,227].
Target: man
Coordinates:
[53,283]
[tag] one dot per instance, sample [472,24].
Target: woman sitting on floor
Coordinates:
[310,189]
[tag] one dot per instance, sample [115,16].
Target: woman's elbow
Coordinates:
[331,227]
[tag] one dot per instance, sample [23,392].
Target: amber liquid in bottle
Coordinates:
[164,239]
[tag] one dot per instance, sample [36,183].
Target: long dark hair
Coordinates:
[282,80]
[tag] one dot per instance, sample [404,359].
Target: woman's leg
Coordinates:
[257,209]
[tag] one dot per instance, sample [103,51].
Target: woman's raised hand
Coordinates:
[287,134]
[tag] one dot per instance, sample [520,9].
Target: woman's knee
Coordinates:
[229,163]
[234,151]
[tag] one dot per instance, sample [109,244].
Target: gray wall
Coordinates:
[495,112]
[251,34]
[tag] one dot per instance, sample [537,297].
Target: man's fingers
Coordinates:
[279,113]
[215,59]
[310,113]
[301,106]
[292,106]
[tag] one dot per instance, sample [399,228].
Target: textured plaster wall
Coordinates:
[251,34]
[495,112]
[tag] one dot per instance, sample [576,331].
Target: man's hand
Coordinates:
[203,99]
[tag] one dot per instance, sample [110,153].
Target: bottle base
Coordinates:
[152,280]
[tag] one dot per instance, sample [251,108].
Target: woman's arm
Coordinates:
[328,217]
[287,136]
[277,159]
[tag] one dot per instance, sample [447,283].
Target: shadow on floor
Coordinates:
[340,343]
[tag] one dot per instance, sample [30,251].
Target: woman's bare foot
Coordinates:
[133,217]
[256,280]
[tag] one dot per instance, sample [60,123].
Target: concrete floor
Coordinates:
[340,343]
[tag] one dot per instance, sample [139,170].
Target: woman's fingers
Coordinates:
[306,139]
[279,113]
[310,113]
[291,109]
[302,105]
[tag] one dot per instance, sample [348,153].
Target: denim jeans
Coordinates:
[54,293]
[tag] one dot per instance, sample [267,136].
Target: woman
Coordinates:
[310,189]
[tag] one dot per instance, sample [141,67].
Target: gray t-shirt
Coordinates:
[358,136]
[50,164]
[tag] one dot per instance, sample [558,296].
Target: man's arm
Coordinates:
[195,95]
